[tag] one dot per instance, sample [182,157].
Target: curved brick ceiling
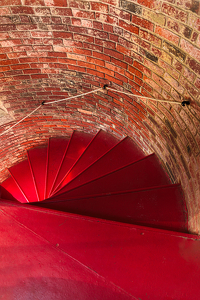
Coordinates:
[52,49]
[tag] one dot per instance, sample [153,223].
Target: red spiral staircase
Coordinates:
[92,217]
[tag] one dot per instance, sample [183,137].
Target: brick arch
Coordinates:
[53,49]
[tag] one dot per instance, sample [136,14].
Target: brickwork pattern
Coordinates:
[52,49]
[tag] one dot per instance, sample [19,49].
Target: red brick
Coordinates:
[114,54]
[42,34]
[120,13]
[22,48]
[135,86]
[142,22]
[42,48]
[123,50]
[93,47]
[76,56]
[135,71]
[105,70]
[21,34]
[113,79]
[86,65]
[138,80]
[9,62]
[114,68]
[142,68]
[108,28]
[189,48]
[52,41]
[78,4]
[22,10]
[189,88]
[5,20]
[178,66]
[59,27]
[5,10]
[195,66]
[87,23]
[78,29]
[32,71]
[4,69]
[150,37]
[64,35]
[61,11]
[57,54]
[60,48]
[99,7]
[34,2]
[28,60]
[128,59]
[161,82]
[50,71]
[66,20]
[7,27]
[72,43]
[20,66]
[174,12]
[197,83]
[4,36]
[121,77]
[112,20]
[96,73]
[97,25]
[82,51]
[98,33]
[96,61]
[129,27]
[22,77]
[130,76]
[105,43]
[76,68]
[25,27]
[46,59]
[76,22]
[83,38]
[61,3]
[39,76]
[119,63]
[3,56]
[101,56]
[147,87]
[194,36]
[10,2]
[114,37]
[83,14]
[188,74]
[167,35]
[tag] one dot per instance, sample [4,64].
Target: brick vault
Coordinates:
[53,49]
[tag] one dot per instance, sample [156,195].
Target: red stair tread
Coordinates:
[101,143]
[142,174]
[146,263]
[56,151]
[13,189]
[38,159]
[34,269]
[123,153]
[24,179]
[77,145]
[162,207]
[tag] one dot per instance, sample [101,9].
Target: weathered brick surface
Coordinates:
[52,49]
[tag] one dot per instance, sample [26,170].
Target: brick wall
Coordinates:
[52,49]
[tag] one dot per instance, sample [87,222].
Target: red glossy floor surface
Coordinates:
[48,253]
